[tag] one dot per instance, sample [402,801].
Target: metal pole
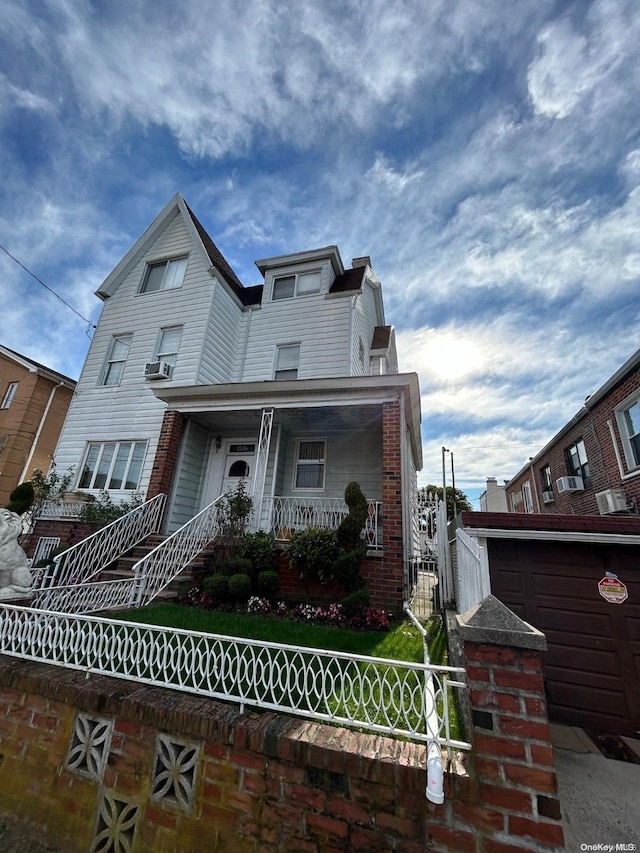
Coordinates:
[453,487]
[444,479]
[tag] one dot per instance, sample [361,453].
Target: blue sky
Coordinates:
[486,155]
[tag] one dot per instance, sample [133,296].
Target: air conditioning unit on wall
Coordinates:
[157,370]
[548,498]
[611,500]
[569,484]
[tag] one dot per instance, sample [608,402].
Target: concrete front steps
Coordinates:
[190,576]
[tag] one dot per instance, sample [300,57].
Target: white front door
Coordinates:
[239,465]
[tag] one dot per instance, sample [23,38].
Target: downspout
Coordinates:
[435,771]
[39,430]
[403,486]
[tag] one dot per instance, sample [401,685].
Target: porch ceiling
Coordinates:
[322,418]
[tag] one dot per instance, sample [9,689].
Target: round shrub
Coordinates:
[268,584]
[260,549]
[356,604]
[21,498]
[235,566]
[240,587]
[216,586]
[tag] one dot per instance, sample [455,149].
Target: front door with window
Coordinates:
[239,464]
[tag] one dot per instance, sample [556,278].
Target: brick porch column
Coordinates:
[517,806]
[386,585]
[164,465]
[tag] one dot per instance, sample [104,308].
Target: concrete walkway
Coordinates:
[599,797]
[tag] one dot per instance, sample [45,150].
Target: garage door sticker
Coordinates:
[612,589]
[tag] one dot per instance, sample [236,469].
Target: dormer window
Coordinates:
[166,275]
[302,284]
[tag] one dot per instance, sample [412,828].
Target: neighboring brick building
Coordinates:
[592,465]
[33,405]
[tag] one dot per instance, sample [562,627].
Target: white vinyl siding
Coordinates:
[223,339]
[192,466]
[131,410]
[363,324]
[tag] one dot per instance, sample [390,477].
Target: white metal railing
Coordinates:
[61,509]
[445,570]
[473,581]
[88,557]
[88,597]
[285,515]
[161,565]
[388,696]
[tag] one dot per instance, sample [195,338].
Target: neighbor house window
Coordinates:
[287,361]
[10,393]
[113,465]
[545,476]
[117,359]
[577,462]
[168,345]
[515,499]
[629,424]
[310,459]
[526,497]
[302,284]
[166,275]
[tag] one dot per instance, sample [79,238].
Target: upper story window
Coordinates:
[116,359]
[165,275]
[526,497]
[168,345]
[112,465]
[515,499]
[310,465]
[10,393]
[302,284]
[628,417]
[545,477]
[287,361]
[577,462]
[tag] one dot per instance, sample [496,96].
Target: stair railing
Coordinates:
[161,565]
[84,560]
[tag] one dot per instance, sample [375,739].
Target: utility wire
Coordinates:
[46,286]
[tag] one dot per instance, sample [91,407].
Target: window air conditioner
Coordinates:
[611,500]
[570,484]
[548,498]
[157,370]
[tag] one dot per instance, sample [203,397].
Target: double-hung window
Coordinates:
[310,464]
[301,284]
[112,465]
[577,462]
[547,482]
[526,497]
[165,275]
[287,361]
[118,352]
[168,345]
[10,393]
[629,423]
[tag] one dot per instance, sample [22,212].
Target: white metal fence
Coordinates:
[85,560]
[473,583]
[285,515]
[380,695]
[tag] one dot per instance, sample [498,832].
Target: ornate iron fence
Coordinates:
[381,695]
[85,560]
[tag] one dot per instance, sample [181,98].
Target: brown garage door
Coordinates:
[592,666]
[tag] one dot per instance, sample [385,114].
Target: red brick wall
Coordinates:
[387,585]
[69,531]
[271,782]
[593,429]
[164,465]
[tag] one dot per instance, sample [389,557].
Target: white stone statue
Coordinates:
[15,576]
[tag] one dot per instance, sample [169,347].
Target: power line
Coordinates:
[46,286]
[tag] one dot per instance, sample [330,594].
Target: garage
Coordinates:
[549,570]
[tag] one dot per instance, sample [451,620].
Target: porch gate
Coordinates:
[421,564]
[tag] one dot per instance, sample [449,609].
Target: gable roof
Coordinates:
[36,367]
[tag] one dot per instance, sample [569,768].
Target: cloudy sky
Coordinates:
[485,154]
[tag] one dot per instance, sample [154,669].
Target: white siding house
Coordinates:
[182,342]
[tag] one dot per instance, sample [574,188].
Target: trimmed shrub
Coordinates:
[346,569]
[260,549]
[314,551]
[356,603]
[268,584]
[240,587]
[21,498]
[351,527]
[235,566]
[216,586]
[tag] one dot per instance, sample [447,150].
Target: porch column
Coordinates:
[386,586]
[164,465]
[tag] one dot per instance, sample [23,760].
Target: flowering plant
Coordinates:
[257,605]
